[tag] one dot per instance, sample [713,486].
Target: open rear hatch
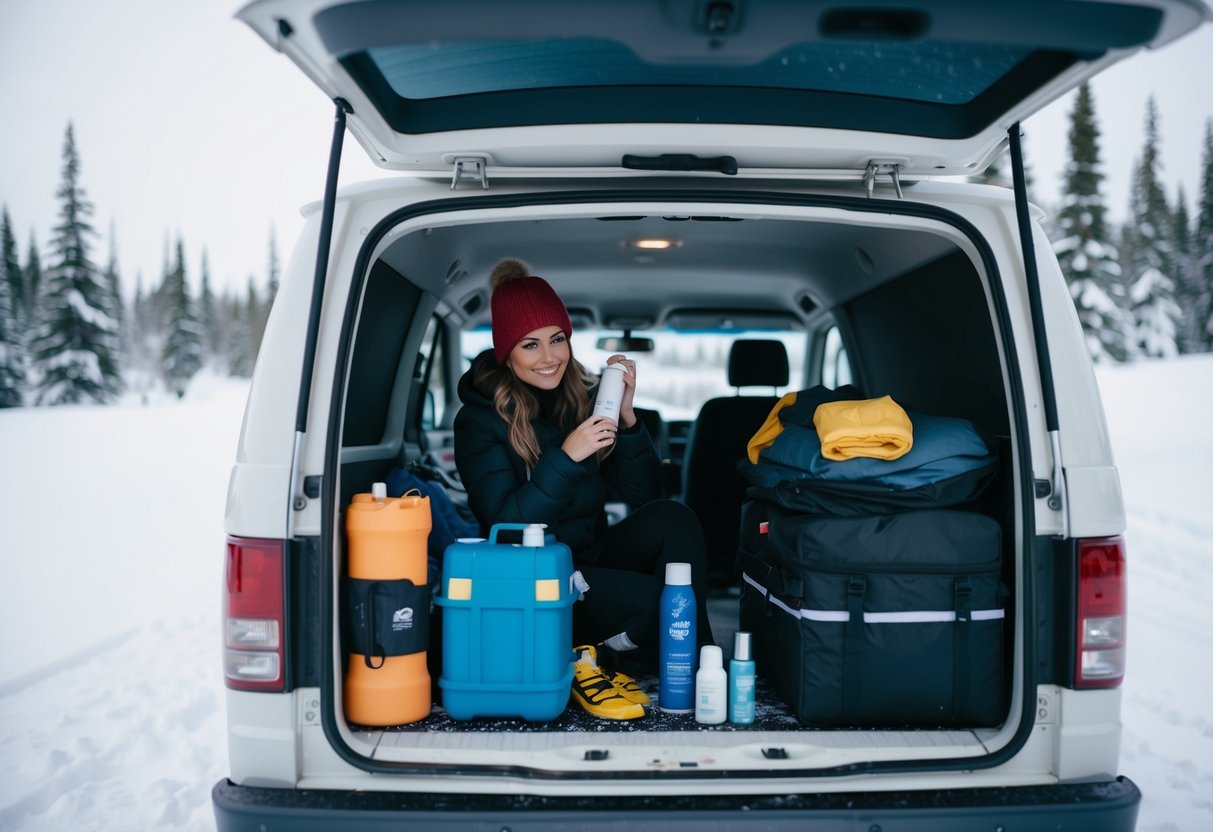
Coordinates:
[545,87]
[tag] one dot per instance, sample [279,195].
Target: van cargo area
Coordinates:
[921,305]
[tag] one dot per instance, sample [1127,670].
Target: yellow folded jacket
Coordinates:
[876,428]
[770,429]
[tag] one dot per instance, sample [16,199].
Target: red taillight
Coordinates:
[1101,613]
[253,615]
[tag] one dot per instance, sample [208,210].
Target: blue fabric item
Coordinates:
[943,447]
[447,524]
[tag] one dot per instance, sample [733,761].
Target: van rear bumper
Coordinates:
[1107,806]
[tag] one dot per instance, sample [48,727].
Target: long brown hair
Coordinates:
[516,404]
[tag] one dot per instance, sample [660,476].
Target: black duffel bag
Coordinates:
[884,621]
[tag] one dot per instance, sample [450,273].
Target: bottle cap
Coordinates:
[532,535]
[379,490]
[741,646]
[678,574]
[710,656]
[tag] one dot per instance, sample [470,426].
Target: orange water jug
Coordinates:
[387,683]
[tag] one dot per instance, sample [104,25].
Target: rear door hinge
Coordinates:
[472,166]
[875,168]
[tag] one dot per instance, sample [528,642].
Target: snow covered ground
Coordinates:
[111,536]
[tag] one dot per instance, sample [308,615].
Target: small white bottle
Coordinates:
[379,492]
[711,687]
[532,535]
[610,392]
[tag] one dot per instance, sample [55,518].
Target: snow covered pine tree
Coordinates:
[1087,256]
[74,349]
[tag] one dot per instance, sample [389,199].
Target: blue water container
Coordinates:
[507,626]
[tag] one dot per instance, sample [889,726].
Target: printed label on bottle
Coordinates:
[679,630]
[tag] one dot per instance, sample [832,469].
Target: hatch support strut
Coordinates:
[1056,492]
[298,498]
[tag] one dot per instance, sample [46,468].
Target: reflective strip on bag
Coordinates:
[905,617]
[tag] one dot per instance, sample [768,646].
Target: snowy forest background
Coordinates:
[69,334]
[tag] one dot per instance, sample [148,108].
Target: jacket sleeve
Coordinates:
[496,494]
[633,471]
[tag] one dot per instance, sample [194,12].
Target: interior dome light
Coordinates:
[654,243]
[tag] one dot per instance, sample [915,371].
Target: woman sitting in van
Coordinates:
[529,451]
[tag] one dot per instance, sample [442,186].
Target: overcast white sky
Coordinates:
[187,123]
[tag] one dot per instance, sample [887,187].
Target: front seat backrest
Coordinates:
[711,483]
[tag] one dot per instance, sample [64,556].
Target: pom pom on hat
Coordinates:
[522,303]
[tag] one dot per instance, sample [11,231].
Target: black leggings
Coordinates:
[626,573]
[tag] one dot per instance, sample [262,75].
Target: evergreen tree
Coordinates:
[1203,244]
[1187,289]
[182,355]
[274,272]
[241,352]
[72,350]
[113,285]
[1084,250]
[1151,256]
[12,355]
[145,338]
[272,275]
[10,266]
[208,314]
[33,286]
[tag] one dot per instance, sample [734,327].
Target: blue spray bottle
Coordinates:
[677,640]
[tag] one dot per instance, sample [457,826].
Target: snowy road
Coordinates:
[111,707]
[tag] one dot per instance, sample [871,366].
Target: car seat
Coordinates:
[712,485]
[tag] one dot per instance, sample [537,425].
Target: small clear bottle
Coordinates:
[711,687]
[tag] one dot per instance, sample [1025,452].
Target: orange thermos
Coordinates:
[387,682]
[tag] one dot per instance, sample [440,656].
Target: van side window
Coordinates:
[431,371]
[835,367]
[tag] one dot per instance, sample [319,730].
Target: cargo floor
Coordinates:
[771,713]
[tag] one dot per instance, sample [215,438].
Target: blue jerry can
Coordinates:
[507,626]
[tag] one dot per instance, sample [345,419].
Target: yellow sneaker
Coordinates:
[628,688]
[596,693]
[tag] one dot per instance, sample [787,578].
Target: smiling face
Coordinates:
[541,357]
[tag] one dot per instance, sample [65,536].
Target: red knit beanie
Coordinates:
[522,303]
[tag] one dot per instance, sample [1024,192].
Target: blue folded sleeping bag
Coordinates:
[950,462]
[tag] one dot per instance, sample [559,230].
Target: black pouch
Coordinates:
[386,618]
[886,621]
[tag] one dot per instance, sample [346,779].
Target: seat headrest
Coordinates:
[754,363]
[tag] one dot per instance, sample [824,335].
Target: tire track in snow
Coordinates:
[131,736]
[40,674]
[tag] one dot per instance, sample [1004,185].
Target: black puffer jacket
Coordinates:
[568,496]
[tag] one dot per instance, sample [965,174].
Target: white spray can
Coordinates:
[610,392]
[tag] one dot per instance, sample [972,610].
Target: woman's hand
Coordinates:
[627,416]
[591,436]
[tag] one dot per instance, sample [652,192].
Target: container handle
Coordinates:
[506,526]
[377,651]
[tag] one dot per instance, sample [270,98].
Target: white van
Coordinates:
[685,173]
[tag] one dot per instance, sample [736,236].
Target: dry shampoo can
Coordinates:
[677,641]
[610,392]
